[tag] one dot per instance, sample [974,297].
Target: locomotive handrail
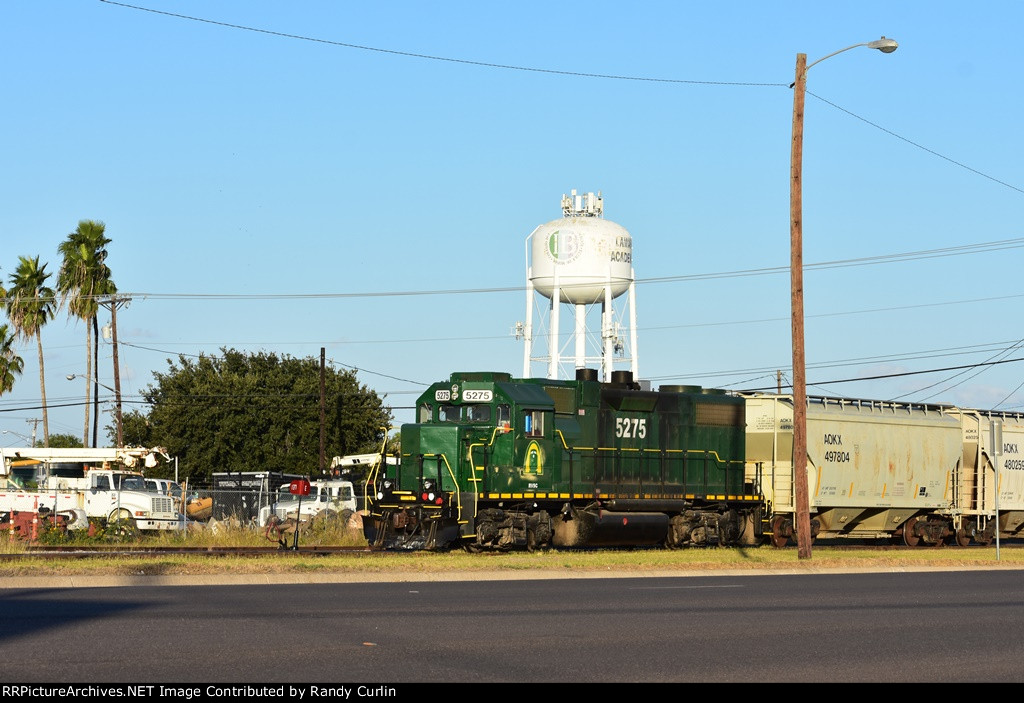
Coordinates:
[374,469]
[455,481]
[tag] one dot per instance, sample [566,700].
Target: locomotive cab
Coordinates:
[473,430]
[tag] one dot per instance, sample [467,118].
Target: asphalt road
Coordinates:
[922,626]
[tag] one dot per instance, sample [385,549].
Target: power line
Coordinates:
[961,250]
[906,373]
[448,59]
[915,144]
[577,74]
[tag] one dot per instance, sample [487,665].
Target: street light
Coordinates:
[30,440]
[117,413]
[796,272]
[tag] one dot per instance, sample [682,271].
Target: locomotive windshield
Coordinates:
[478,413]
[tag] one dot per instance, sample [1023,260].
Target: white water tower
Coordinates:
[584,262]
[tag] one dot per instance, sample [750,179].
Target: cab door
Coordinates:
[536,457]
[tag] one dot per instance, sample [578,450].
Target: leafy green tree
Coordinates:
[255,412]
[11,365]
[135,430]
[65,441]
[83,279]
[30,305]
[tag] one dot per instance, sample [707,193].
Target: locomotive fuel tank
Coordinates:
[594,527]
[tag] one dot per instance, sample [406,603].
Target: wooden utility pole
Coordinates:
[112,303]
[796,273]
[323,412]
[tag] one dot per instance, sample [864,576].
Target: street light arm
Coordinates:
[73,376]
[885,45]
[18,434]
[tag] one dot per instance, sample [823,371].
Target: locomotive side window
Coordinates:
[426,413]
[504,416]
[533,423]
[478,413]
[448,413]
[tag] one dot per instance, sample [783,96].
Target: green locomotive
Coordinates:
[495,462]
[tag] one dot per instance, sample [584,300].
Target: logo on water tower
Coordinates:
[564,246]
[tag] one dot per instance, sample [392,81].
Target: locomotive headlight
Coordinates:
[387,484]
[428,490]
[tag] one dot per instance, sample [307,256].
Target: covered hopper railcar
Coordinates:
[874,469]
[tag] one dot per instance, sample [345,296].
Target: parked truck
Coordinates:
[326,497]
[98,483]
[242,495]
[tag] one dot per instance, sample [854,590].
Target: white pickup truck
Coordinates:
[325,496]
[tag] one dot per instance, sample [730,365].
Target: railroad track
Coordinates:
[93,550]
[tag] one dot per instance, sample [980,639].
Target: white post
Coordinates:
[996,431]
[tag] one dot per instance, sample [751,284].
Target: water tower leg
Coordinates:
[581,336]
[607,334]
[633,351]
[553,343]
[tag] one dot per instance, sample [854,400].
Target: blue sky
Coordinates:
[263,188]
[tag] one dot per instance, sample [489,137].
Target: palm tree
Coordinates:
[83,279]
[11,364]
[30,305]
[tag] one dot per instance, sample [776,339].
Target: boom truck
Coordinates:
[75,485]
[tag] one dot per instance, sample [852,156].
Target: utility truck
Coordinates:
[98,483]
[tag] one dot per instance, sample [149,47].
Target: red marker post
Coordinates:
[299,487]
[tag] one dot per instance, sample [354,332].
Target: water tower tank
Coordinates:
[581,253]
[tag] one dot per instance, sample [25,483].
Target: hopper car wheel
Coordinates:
[778,539]
[909,538]
[962,537]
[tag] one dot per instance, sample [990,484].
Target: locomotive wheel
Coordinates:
[909,538]
[778,539]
